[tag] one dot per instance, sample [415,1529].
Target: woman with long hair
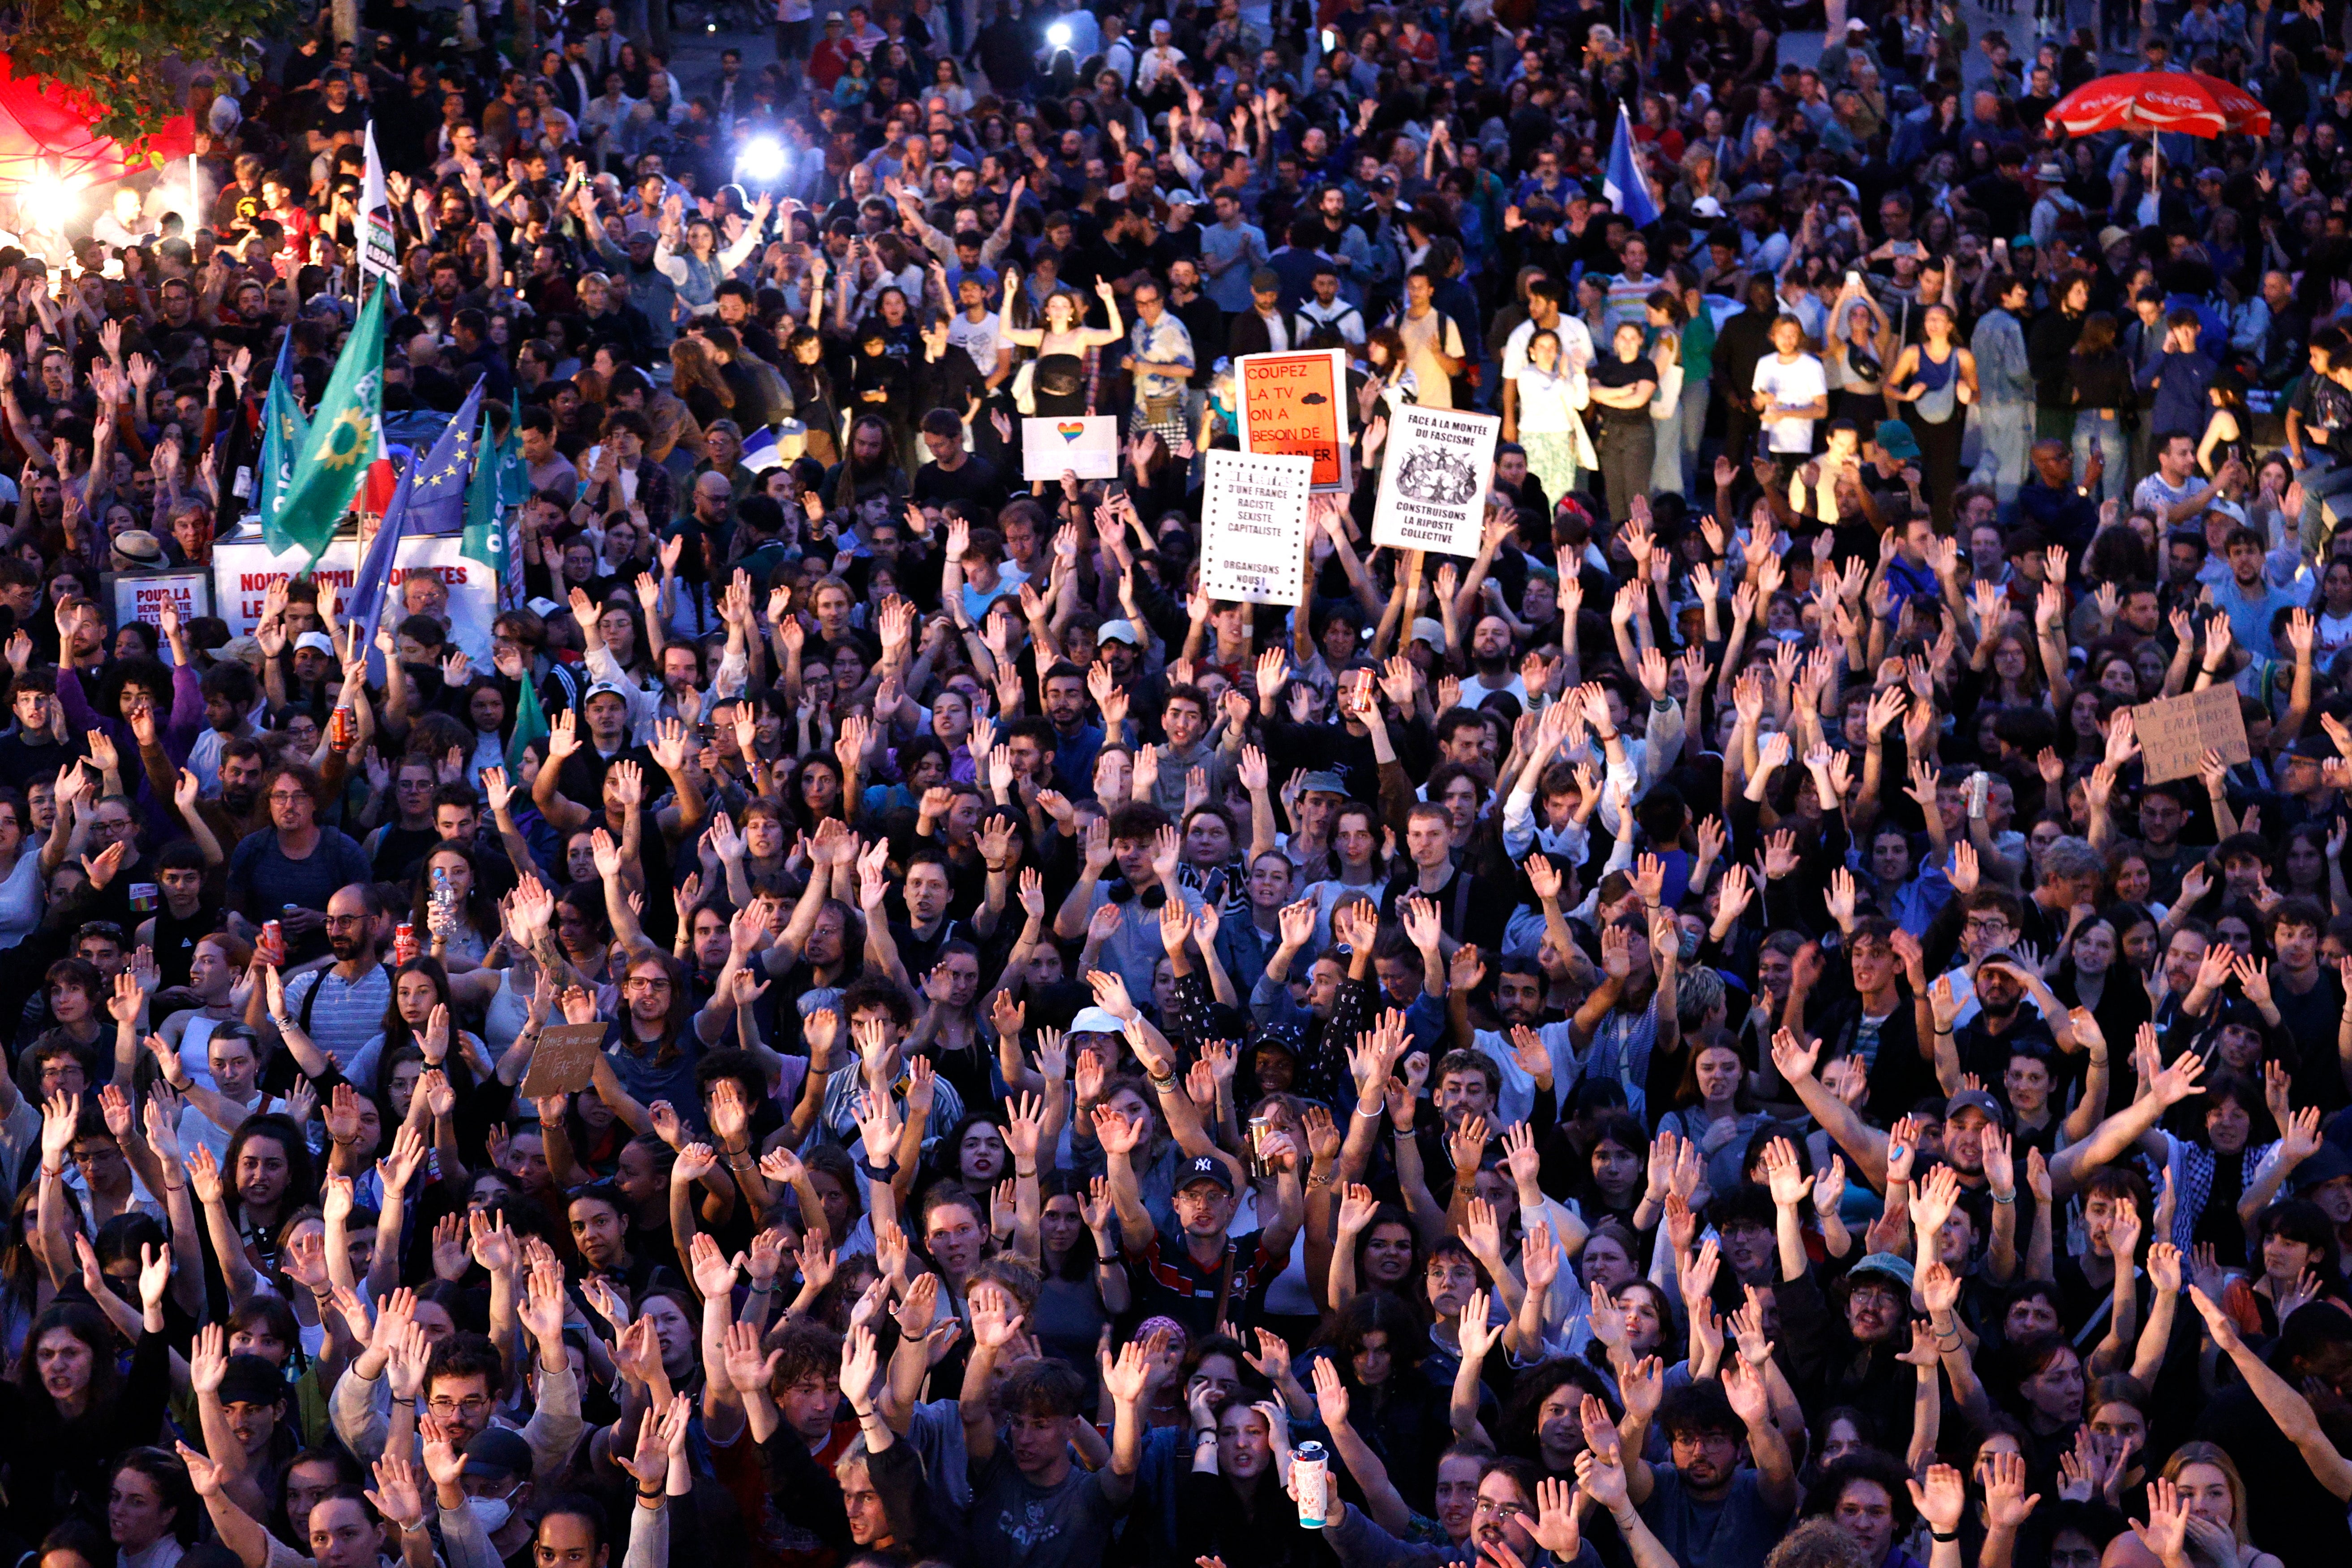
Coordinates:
[2229,426]
[695,376]
[1667,320]
[1058,382]
[2219,1528]
[75,1412]
[1861,341]
[1717,1111]
[1931,384]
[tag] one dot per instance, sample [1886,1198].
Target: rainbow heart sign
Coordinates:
[1086,445]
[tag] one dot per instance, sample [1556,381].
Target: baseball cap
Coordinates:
[1265,281]
[1329,783]
[1972,1100]
[1707,206]
[317,642]
[1204,1168]
[1119,631]
[2313,748]
[1428,631]
[605,689]
[1894,440]
[1097,1021]
[252,1380]
[1183,197]
[497,1452]
[1885,1263]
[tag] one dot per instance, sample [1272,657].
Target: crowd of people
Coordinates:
[866,1020]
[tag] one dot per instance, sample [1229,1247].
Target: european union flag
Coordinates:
[429,499]
[1622,184]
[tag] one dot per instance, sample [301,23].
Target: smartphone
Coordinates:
[1330,40]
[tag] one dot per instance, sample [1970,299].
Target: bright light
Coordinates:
[1058,35]
[46,201]
[761,161]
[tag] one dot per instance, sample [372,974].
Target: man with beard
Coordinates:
[1491,667]
[288,870]
[2002,983]
[1525,1049]
[230,695]
[340,1007]
[1705,1506]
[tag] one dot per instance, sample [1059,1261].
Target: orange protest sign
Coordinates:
[1295,405]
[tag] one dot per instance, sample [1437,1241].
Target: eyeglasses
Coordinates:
[644,983]
[1487,1507]
[287,797]
[336,922]
[473,1405]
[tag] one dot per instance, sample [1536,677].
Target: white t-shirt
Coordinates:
[979,338]
[1799,382]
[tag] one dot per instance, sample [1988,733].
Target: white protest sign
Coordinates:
[1254,526]
[142,595]
[1435,469]
[1086,445]
[243,571]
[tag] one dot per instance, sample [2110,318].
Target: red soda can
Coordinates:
[273,940]
[340,725]
[403,943]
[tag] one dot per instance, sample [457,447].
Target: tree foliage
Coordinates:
[115,50]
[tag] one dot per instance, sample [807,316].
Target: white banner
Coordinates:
[1254,526]
[1436,469]
[1086,445]
[142,595]
[244,570]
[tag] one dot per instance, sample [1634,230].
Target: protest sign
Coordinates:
[1253,527]
[244,569]
[1086,446]
[1434,473]
[564,1059]
[1298,404]
[2175,732]
[142,595]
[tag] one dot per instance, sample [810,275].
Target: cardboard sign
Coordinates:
[2175,732]
[1086,446]
[564,1060]
[1435,471]
[142,595]
[244,569]
[1253,527]
[1297,404]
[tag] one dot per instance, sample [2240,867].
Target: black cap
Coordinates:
[252,1380]
[1205,1168]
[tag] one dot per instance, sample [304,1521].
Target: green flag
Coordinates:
[334,456]
[284,429]
[501,481]
[530,724]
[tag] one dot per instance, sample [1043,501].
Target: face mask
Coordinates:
[490,1512]
[1688,946]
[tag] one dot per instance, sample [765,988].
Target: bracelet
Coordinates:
[1031,1173]
[1375,1115]
[175,1187]
[281,1024]
[1939,1535]
[653,1496]
[734,1153]
[1942,1030]
[1164,1085]
[760,1290]
[1998,1199]
[397,1399]
[878,1172]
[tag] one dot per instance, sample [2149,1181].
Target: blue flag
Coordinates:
[429,499]
[1623,183]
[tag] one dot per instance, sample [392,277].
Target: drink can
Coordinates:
[273,939]
[340,725]
[1310,1482]
[403,943]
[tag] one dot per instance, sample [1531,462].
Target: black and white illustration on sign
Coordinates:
[1254,526]
[1434,473]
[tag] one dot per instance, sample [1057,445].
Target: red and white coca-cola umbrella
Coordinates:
[2181,101]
